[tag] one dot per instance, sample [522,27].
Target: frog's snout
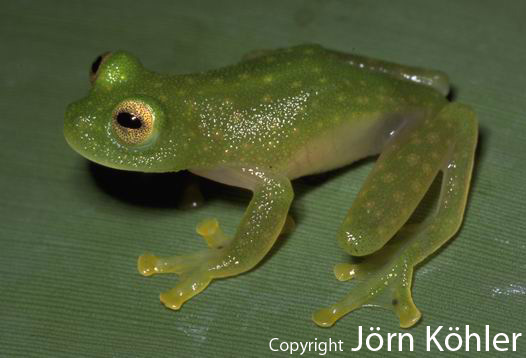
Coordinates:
[74,113]
[69,111]
[71,116]
[75,122]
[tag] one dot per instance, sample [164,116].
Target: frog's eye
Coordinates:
[95,66]
[133,122]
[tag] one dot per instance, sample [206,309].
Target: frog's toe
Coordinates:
[146,264]
[345,271]
[190,285]
[385,285]
[325,317]
[407,312]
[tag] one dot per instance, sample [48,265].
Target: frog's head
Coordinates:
[121,123]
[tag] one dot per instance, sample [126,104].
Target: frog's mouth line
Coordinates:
[80,145]
[78,148]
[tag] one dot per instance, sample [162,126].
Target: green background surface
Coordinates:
[70,232]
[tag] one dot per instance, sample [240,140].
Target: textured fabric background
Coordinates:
[70,232]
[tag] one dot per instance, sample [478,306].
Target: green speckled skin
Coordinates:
[275,116]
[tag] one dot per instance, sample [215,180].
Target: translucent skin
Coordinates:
[280,114]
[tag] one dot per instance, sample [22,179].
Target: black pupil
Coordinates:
[95,65]
[128,120]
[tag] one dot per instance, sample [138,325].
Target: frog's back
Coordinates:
[356,105]
[305,109]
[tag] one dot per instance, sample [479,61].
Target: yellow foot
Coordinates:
[189,286]
[193,269]
[147,264]
[381,283]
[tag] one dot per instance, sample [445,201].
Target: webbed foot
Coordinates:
[384,283]
[193,268]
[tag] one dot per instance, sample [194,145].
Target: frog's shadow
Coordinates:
[167,191]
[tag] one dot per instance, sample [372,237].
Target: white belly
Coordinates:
[335,148]
[345,144]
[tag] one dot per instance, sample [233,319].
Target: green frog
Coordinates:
[278,115]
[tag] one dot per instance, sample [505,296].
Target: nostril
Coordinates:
[70,109]
[72,115]
[73,109]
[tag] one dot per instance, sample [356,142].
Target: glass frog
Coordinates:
[282,114]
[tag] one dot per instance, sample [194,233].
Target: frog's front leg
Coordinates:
[261,225]
[401,176]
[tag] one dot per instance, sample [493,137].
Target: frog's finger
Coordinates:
[402,302]
[345,271]
[149,264]
[210,230]
[401,177]
[189,286]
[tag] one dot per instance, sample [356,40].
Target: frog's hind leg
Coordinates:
[387,200]
[432,78]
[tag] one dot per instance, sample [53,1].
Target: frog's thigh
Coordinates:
[432,78]
[457,170]
[385,277]
[396,185]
